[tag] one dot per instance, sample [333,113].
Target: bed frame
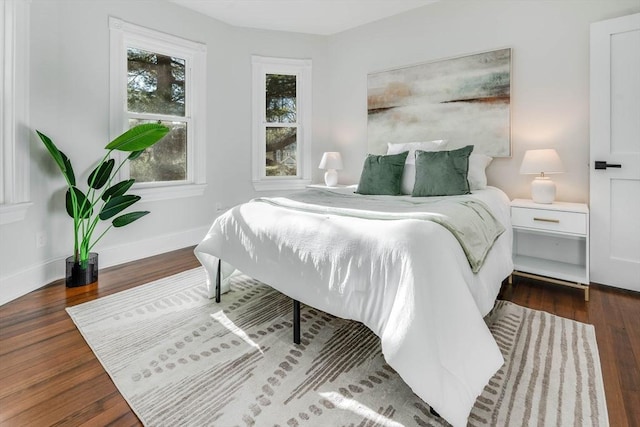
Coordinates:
[296,306]
[296,318]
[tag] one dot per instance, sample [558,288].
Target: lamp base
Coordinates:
[331,178]
[543,190]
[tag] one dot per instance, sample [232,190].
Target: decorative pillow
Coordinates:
[477,177]
[442,173]
[381,175]
[409,174]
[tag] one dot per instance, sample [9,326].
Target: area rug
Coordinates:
[180,359]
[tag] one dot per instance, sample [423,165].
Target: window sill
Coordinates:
[13,212]
[281,184]
[169,192]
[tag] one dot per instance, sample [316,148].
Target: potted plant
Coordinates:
[103,200]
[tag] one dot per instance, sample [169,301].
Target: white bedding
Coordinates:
[407,280]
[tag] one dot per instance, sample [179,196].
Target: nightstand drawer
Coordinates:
[549,220]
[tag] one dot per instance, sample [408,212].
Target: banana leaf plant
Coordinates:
[104,199]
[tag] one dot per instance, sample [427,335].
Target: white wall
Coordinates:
[550,76]
[70,103]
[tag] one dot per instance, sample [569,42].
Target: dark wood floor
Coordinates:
[49,376]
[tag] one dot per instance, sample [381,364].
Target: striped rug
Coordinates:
[180,359]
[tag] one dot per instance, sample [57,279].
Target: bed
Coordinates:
[387,262]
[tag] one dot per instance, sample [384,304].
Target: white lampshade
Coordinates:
[332,162]
[545,161]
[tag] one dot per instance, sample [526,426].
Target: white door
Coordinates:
[615,140]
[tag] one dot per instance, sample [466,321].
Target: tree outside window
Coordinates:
[281,125]
[156,86]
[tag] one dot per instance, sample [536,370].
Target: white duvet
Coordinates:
[407,280]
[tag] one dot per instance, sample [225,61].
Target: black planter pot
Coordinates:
[81,274]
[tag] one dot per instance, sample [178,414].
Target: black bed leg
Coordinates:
[218,284]
[296,321]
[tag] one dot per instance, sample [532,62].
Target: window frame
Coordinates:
[124,35]
[14,112]
[301,68]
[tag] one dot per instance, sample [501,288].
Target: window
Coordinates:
[282,123]
[157,77]
[14,127]
[155,87]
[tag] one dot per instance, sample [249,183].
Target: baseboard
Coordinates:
[35,277]
[150,247]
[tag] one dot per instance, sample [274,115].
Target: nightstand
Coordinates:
[551,242]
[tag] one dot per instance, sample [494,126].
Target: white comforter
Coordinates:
[407,280]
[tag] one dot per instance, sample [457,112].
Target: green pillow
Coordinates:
[382,174]
[442,173]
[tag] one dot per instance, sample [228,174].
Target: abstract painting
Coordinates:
[465,100]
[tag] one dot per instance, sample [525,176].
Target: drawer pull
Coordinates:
[556,221]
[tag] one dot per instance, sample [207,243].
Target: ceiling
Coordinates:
[324,17]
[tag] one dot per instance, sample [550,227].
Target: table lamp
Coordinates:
[545,161]
[332,162]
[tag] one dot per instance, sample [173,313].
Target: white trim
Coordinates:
[13,212]
[14,111]
[124,34]
[35,277]
[301,68]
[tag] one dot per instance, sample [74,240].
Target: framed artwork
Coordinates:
[465,100]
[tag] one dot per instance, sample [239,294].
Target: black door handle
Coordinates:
[604,165]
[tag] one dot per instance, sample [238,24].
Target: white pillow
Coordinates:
[409,172]
[411,147]
[476,175]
